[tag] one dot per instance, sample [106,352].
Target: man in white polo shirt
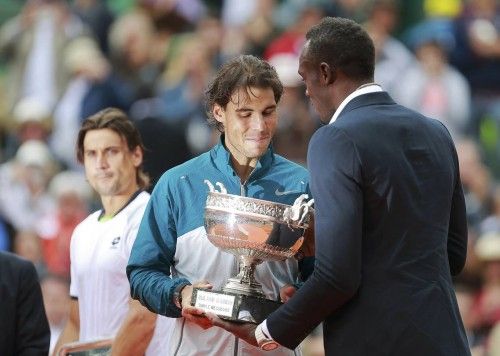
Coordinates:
[110,148]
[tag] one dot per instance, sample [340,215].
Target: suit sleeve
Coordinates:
[33,333]
[148,268]
[457,232]
[336,187]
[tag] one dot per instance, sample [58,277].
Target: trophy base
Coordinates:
[234,307]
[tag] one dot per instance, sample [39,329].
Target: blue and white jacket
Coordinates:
[172,247]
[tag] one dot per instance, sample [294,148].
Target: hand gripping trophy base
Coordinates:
[234,307]
[241,299]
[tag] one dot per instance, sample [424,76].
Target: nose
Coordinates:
[101,160]
[258,122]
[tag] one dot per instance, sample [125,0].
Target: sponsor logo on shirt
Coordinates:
[284,192]
[115,242]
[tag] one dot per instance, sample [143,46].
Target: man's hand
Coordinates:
[245,331]
[191,313]
[308,246]
[286,292]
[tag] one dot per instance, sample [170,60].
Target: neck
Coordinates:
[344,89]
[113,203]
[244,169]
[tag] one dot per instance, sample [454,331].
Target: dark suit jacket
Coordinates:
[24,329]
[390,231]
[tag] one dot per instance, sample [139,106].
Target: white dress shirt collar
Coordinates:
[363,89]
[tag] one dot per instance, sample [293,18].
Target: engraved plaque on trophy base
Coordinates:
[234,307]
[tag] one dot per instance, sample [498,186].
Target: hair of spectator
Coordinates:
[245,71]
[342,44]
[117,121]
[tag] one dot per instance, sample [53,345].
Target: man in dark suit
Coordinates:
[389,216]
[24,329]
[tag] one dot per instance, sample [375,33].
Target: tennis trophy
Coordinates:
[254,231]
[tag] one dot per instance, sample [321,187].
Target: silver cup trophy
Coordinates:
[254,231]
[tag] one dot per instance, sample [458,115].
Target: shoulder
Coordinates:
[138,204]
[15,264]
[90,220]
[186,169]
[333,134]
[85,227]
[287,167]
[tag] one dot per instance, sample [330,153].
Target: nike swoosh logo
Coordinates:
[284,192]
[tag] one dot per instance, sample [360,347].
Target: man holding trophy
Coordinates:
[183,239]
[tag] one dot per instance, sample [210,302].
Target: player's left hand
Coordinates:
[193,314]
[244,331]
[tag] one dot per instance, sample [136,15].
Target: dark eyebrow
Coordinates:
[243,109]
[248,109]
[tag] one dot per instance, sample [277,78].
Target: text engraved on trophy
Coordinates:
[221,304]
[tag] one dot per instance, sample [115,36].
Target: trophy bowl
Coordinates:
[254,231]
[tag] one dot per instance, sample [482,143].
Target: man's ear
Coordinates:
[327,73]
[218,113]
[137,156]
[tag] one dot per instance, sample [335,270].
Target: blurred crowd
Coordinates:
[61,61]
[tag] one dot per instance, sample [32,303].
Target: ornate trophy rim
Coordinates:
[232,203]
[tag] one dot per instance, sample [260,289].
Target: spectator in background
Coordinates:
[492,222]
[32,43]
[23,185]
[55,292]
[72,195]
[24,330]
[478,45]
[134,73]
[297,122]
[290,41]
[27,244]
[31,120]
[435,88]
[98,18]
[476,180]
[392,58]
[88,70]
[485,310]
[476,55]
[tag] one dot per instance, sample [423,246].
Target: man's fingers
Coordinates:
[245,331]
[197,316]
[192,311]
[215,320]
[203,284]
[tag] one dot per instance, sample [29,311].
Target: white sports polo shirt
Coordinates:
[99,255]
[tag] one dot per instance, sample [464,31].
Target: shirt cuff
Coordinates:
[265,330]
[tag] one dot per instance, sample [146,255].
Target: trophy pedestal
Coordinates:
[234,307]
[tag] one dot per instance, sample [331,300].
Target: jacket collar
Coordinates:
[377,98]
[222,160]
[361,90]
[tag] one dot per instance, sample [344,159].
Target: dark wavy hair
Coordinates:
[244,71]
[342,44]
[116,120]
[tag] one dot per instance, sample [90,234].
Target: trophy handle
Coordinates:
[244,282]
